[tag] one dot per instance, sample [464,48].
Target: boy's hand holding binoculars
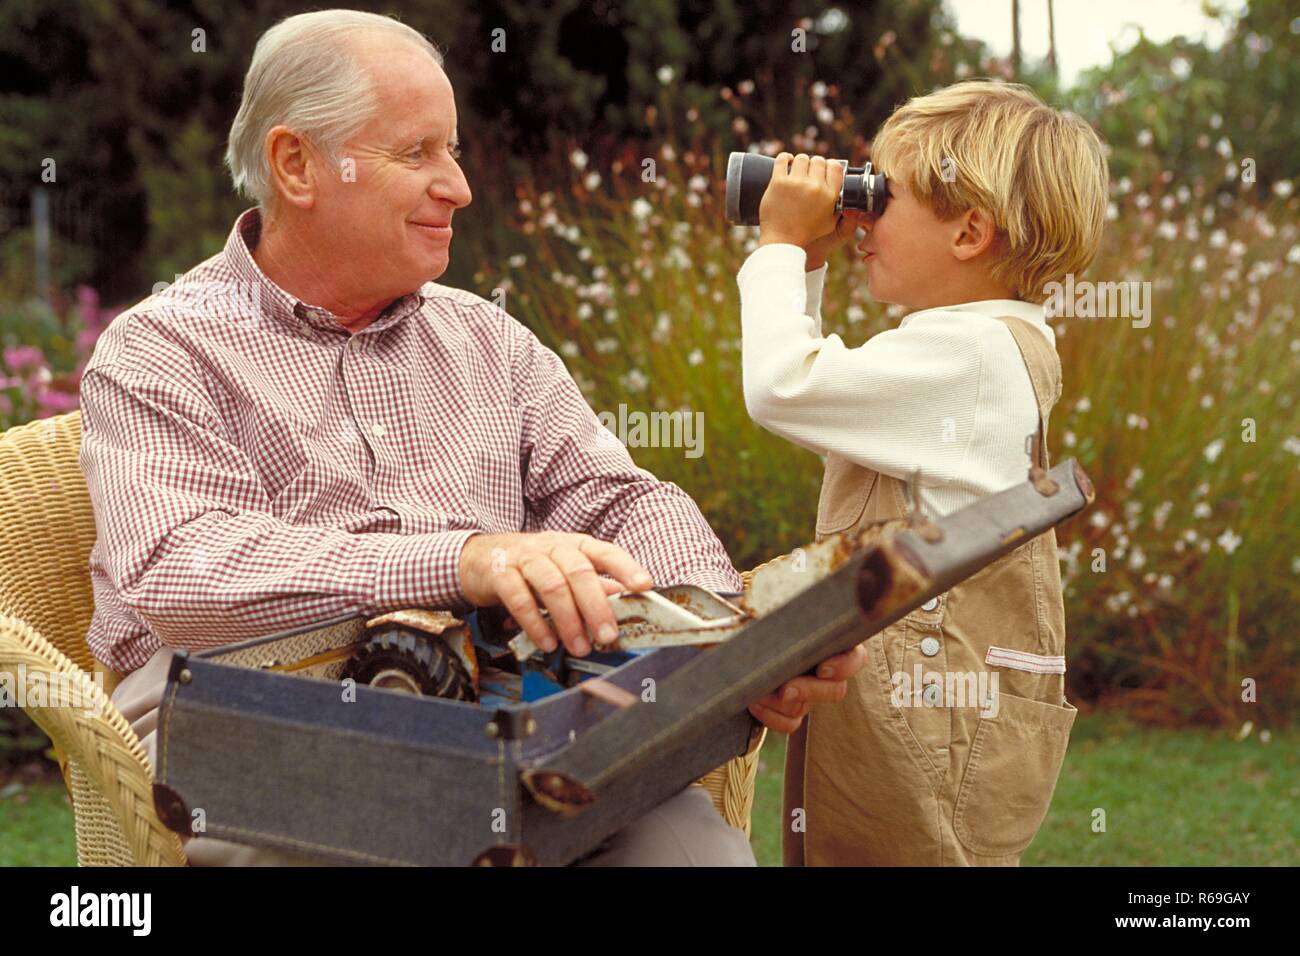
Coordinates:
[798,207]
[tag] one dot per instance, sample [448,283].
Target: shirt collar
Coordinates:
[994,308]
[289,309]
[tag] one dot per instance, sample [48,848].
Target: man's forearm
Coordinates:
[244,576]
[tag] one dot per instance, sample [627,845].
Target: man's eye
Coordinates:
[416,155]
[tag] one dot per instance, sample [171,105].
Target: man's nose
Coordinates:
[453,188]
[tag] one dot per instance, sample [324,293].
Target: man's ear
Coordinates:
[293,166]
[975,233]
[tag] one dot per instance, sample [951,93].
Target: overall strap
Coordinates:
[1044,367]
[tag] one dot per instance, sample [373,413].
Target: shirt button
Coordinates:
[932,694]
[930,646]
[930,605]
[378,429]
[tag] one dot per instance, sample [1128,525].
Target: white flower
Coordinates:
[695,358]
[1083,404]
[1218,239]
[1213,449]
[1223,147]
[1144,137]
[855,313]
[636,380]
[1180,67]
[517,260]
[1167,230]
[1283,188]
[1293,254]
[641,209]
[1198,263]
[592,182]
[1202,510]
[698,183]
[1228,541]
[819,89]
[745,87]
[665,74]
[1237,248]
[570,350]
[584,311]
[579,160]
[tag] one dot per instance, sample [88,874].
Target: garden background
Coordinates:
[1181,582]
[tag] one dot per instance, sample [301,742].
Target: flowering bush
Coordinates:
[42,355]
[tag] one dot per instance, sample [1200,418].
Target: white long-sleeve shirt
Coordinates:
[946,392]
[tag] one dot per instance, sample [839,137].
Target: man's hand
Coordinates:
[561,569]
[798,206]
[785,709]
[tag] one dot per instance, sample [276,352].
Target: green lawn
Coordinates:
[1172,798]
[1181,798]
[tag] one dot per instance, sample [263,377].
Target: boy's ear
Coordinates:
[976,232]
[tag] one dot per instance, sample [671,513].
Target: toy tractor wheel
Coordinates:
[404,660]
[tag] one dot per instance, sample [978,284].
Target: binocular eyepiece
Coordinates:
[749,173]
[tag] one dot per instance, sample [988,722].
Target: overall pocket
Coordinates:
[1015,759]
[845,489]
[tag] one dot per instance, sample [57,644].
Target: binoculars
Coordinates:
[749,173]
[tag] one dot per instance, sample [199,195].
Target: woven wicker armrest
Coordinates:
[108,773]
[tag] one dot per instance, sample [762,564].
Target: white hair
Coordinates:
[304,76]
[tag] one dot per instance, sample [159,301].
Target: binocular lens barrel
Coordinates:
[749,173]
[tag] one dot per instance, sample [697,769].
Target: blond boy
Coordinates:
[992,196]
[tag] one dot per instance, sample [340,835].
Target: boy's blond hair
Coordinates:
[1040,173]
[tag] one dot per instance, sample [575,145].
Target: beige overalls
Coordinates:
[886,777]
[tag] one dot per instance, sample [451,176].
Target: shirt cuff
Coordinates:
[713,579]
[422,570]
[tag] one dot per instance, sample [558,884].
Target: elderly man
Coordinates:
[306,426]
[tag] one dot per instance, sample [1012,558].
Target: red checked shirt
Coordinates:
[254,466]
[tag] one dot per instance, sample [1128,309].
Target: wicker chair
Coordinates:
[47,529]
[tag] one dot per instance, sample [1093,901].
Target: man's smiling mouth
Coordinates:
[433,229]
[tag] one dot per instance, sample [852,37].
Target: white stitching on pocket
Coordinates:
[1024,661]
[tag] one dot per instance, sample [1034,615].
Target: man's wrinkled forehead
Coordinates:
[415,98]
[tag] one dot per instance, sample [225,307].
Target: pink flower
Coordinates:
[57,402]
[24,356]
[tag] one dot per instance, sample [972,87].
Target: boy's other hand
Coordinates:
[820,249]
[798,206]
[784,709]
